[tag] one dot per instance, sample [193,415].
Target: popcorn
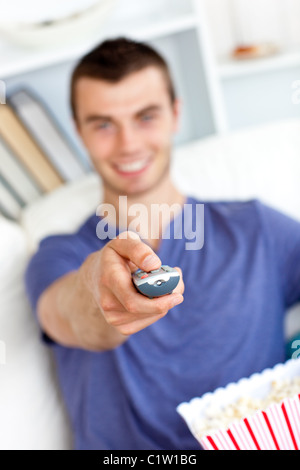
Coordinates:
[261,412]
[217,417]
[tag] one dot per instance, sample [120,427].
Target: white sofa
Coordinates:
[254,163]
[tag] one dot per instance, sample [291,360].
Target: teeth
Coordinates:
[131,167]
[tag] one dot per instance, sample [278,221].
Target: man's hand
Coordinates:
[97,307]
[108,278]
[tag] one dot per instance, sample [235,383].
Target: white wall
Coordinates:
[255,98]
[234,21]
[250,100]
[261,98]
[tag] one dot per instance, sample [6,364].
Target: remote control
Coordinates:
[155,283]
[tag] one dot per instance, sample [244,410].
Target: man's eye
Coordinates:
[104,125]
[147,117]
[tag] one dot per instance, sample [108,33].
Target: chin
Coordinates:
[136,191]
[138,187]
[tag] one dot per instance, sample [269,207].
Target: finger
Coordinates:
[108,302]
[133,327]
[123,317]
[132,266]
[179,289]
[121,298]
[139,305]
[129,245]
[119,281]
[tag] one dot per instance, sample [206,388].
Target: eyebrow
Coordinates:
[148,109]
[99,117]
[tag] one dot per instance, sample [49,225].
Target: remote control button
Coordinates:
[166,268]
[145,275]
[140,273]
[155,271]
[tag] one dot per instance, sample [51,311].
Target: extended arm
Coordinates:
[97,306]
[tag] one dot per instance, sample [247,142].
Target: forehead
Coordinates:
[124,97]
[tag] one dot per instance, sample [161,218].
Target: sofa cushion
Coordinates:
[261,162]
[62,210]
[31,412]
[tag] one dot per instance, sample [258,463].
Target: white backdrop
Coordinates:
[233,21]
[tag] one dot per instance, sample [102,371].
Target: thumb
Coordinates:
[137,253]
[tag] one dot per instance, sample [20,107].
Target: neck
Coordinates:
[145,218]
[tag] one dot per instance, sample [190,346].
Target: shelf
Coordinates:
[230,69]
[16,60]
[174,26]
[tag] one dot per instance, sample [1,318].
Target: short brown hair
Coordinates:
[115,59]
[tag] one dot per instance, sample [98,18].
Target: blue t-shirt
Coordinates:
[230,325]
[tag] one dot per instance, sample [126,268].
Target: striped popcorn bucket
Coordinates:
[275,428]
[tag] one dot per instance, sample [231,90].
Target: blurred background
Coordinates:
[236,67]
[235,62]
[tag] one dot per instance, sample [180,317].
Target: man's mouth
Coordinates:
[133,168]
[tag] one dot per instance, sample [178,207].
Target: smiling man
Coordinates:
[129,141]
[126,361]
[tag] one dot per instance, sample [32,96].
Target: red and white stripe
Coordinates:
[277,428]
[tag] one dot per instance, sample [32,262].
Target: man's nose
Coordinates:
[129,139]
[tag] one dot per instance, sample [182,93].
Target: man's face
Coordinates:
[127,128]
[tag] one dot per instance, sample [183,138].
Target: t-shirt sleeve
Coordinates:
[55,257]
[283,232]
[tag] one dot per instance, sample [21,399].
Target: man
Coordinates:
[125,361]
